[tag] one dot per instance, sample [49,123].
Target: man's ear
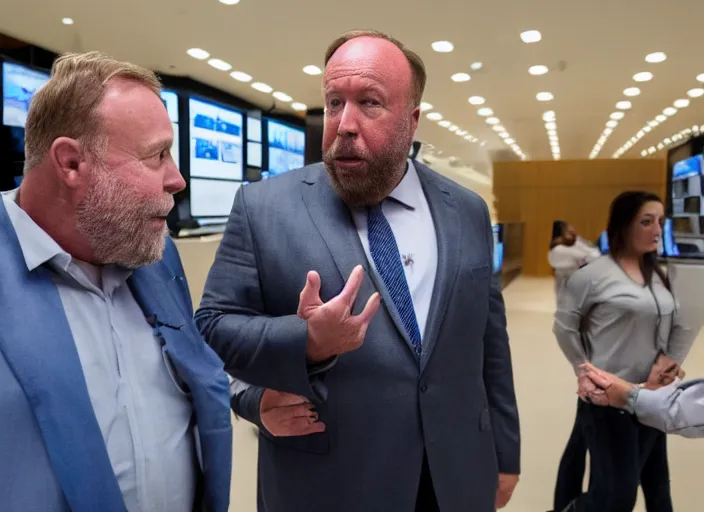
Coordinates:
[68,160]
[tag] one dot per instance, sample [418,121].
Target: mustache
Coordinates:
[346,150]
[160,208]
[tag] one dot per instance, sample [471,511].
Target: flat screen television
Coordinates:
[19,83]
[286,147]
[216,141]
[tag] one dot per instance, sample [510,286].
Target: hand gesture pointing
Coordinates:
[332,329]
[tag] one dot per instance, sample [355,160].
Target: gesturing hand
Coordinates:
[612,390]
[332,329]
[284,414]
[663,372]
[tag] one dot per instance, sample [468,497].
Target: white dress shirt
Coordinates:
[145,419]
[407,211]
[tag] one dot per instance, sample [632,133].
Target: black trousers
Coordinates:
[426,501]
[570,474]
[623,454]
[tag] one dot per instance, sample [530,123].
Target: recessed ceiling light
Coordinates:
[425,106]
[230,2]
[655,58]
[661,146]
[453,128]
[695,93]
[670,111]
[485,112]
[551,126]
[498,128]
[443,46]
[476,66]
[197,53]
[262,87]
[220,64]
[468,137]
[700,78]
[624,105]
[531,36]
[461,133]
[645,76]
[67,21]
[299,107]
[632,91]
[647,129]
[312,70]
[434,116]
[612,124]
[644,152]
[509,141]
[241,76]
[460,77]
[661,118]
[544,96]
[617,116]
[504,135]
[492,120]
[653,124]
[681,103]
[476,100]
[445,123]
[538,70]
[282,96]
[608,131]
[549,116]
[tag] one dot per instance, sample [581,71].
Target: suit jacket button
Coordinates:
[423,388]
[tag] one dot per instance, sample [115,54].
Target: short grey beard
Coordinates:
[115,224]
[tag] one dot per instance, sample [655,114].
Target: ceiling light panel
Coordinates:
[551,127]
[544,96]
[198,53]
[220,65]
[531,36]
[538,70]
[655,58]
[644,76]
[476,66]
[460,77]
[443,46]
[476,100]
[312,70]
[424,106]
[241,76]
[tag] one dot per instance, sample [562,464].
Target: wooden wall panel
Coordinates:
[578,191]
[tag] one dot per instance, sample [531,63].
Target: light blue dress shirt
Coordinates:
[408,213]
[144,417]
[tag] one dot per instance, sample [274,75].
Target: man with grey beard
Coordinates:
[111,400]
[401,407]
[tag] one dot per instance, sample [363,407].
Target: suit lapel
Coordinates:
[36,341]
[449,239]
[335,224]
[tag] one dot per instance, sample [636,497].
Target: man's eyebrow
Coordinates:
[158,146]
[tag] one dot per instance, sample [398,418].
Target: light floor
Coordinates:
[546,397]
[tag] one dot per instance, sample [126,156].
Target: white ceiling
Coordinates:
[592,48]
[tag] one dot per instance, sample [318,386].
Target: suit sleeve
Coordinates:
[498,377]
[259,349]
[675,409]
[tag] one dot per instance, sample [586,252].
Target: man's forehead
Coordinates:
[368,57]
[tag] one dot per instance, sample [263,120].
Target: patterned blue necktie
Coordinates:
[384,251]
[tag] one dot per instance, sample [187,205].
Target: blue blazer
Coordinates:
[52,454]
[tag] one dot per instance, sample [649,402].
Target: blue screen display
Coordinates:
[668,246]
[604,243]
[498,247]
[19,83]
[687,168]
[287,147]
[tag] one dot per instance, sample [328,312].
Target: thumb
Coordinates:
[598,379]
[310,295]
[286,399]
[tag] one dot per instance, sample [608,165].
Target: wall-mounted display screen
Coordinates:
[498,247]
[254,154]
[170,100]
[216,141]
[286,147]
[19,83]
[212,198]
[254,129]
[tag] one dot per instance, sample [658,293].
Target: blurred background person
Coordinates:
[620,314]
[568,252]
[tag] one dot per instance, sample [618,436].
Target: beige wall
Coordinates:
[577,191]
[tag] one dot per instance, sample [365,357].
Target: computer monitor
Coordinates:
[19,84]
[286,147]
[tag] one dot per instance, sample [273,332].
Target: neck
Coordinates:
[628,258]
[49,204]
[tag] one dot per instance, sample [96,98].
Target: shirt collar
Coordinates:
[406,192]
[38,248]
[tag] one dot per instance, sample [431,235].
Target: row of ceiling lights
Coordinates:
[240,76]
[661,118]
[630,92]
[444,123]
[529,36]
[551,127]
[669,141]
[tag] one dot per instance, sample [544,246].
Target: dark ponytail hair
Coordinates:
[623,212]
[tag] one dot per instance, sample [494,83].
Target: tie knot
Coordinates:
[375,210]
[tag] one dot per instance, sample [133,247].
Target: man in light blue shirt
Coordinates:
[111,400]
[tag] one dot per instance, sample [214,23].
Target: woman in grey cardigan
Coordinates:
[619,314]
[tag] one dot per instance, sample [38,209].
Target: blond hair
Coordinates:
[67,105]
[418,72]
